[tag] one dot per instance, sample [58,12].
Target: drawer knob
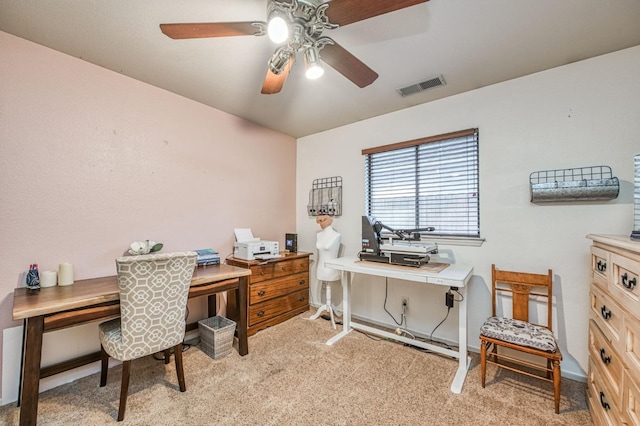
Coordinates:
[301,282]
[301,299]
[605,359]
[629,284]
[606,314]
[260,313]
[601,266]
[604,404]
[261,293]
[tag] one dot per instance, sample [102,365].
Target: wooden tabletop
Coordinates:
[29,303]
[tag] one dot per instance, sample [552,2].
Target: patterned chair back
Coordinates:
[153,301]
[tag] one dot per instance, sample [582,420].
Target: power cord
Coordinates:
[386,290]
[439,324]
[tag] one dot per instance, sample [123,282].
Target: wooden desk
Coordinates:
[54,308]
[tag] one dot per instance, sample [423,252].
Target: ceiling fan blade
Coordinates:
[213,29]
[348,65]
[344,12]
[273,83]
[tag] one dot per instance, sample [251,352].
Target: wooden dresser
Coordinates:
[614,331]
[278,289]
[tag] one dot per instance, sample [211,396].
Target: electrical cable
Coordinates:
[386,288]
[377,339]
[459,294]
[439,324]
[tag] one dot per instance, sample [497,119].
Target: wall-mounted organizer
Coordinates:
[325,197]
[591,183]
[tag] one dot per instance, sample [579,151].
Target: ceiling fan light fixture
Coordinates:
[314,67]
[278,30]
[278,61]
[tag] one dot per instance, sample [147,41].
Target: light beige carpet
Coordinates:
[291,377]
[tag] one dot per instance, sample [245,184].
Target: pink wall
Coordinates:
[91,160]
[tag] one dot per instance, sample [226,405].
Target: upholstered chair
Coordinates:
[520,331]
[153,301]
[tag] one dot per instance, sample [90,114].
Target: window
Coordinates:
[426,182]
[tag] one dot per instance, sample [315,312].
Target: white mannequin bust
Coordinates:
[328,244]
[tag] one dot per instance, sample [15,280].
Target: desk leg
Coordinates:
[241,301]
[464,360]
[347,278]
[31,371]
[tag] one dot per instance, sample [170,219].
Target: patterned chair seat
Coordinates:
[519,333]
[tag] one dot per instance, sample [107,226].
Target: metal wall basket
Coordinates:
[325,197]
[592,183]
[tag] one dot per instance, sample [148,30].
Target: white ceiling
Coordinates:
[471,43]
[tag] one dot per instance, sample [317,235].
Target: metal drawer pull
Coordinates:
[627,283]
[301,299]
[261,293]
[605,359]
[604,404]
[301,282]
[260,313]
[606,314]
[601,266]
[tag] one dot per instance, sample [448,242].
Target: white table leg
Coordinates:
[347,278]
[464,360]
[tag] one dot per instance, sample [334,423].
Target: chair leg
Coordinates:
[104,366]
[167,356]
[124,389]
[483,361]
[556,384]
[177,352]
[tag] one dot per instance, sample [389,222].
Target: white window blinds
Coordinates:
[426,182]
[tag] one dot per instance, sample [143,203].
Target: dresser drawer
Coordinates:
[261,273]
[278,306]
[290,267]
[625,282]
[600,267]
[278,287]
[601,399]
[631,400]
[606,358]
[631,346]
[607,314]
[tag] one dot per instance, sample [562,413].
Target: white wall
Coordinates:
[582,114]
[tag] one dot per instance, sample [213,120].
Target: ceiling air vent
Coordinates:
[429,83]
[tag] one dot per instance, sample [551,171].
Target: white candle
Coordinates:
[65,274]
[48,278]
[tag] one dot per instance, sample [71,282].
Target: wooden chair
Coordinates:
[518,332]
[153,301]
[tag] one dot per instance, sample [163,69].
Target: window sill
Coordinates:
[456,241]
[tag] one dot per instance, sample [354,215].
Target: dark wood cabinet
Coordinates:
[278,289]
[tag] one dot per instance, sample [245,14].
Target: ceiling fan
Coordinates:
[297,26]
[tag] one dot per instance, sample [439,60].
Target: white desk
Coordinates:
[454,275]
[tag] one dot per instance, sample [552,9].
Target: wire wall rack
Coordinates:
[325,197]
[590,183]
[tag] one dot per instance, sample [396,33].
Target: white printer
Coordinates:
[248,247]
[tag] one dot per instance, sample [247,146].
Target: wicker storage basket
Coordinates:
[216,336]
